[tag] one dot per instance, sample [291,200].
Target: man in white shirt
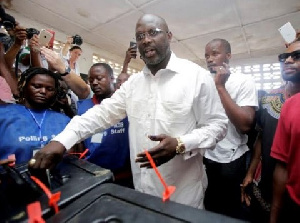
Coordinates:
[173,110]
[226,164]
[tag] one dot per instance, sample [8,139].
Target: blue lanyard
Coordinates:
[39,124]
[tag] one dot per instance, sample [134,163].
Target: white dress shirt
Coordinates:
[241,89]
[179,101]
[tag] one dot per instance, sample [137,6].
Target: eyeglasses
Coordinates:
[295,56]
[151,33]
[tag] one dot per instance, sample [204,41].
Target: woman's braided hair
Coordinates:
[26,76]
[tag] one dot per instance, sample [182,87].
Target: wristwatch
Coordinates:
[67,71]
[180,148]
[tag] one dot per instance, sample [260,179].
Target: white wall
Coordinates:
[86,58]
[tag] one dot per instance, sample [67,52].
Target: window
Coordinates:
[266,76]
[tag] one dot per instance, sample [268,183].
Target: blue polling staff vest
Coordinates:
[21,135]
[110,148]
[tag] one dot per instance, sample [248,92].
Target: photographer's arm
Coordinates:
[12,52]
[35,56]
[6,74]
[74,82]
[67,46]
[130,53]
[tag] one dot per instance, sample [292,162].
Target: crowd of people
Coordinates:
[194,123]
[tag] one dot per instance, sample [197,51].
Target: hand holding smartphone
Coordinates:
[288,32]
[44,39]
[133,49]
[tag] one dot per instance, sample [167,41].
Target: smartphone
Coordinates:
[133,44]
[288,32]
[45,37]
[51,42]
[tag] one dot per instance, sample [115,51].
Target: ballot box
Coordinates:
[114,204]
[72,178]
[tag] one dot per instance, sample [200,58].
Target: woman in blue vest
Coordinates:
[31,124]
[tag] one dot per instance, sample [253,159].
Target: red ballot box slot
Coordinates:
[81,155]
[169,190]
[34,212]
[53,198]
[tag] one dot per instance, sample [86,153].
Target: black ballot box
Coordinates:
[73,177]
[115,204]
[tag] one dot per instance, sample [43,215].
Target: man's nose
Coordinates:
[289,60]
[43,90]
[94,82]
[209,59]
[147,38]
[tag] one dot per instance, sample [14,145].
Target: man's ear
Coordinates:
[228,57]
[170,35]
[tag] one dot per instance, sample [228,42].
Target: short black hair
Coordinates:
[28,74]
[224,43]
[107,67]
[74,48]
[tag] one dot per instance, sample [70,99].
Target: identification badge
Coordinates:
[97,138]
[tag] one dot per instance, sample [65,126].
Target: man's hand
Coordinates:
[54,60]
[69,40]
[48,157]
[34,43]
[130,53]
[20,34]
[7,161]
[222,75]
[161,153]
[244,196]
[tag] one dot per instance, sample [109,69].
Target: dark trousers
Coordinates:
[290,211]
[223,194]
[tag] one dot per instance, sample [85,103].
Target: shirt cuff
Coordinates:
[191,146]
[67,138]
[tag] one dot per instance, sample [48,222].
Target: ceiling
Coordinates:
[250,26]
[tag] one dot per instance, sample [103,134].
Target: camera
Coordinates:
[77,40]
[61,93]
[7,20]
[31,31]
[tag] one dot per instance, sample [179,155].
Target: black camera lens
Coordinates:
[7,20]
[77,40]
[8,25]
[31,31]
[61,94]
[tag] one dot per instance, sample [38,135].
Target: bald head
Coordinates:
[223,42]
[153,41]
[121,79]
[155,20]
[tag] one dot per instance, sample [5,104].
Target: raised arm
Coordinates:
[6,73]
[20,36]
[67,46]
[130,53]
[242,116]
[35,57]
[74,82]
